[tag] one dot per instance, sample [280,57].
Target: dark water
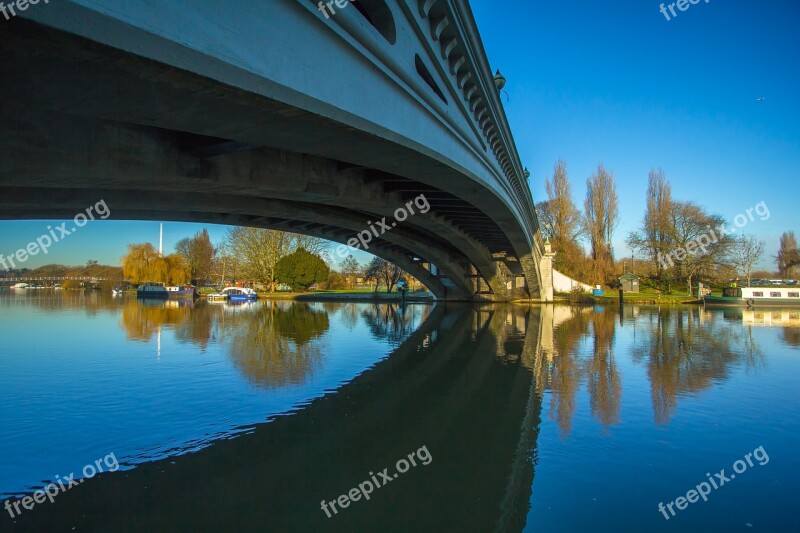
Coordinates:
[507,418]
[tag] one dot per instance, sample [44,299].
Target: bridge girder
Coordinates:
[133,111]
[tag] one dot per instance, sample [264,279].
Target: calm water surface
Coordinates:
[546,418]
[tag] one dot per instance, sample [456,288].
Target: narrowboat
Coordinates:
[152,290]
[182,292]
[756,297]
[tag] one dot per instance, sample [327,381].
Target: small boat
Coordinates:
[152,290]
[117,291]
[239,294]
[756,297]
[182,292]
[20,286]
[217,297]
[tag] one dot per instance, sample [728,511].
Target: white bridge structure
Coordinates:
[271,113]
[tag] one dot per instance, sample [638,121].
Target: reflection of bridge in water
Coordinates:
[466,382]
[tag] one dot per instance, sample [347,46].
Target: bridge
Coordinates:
[54,278]
[276,114]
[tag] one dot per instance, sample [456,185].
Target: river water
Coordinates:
[428,418]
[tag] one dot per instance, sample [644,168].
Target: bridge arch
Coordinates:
[133,109]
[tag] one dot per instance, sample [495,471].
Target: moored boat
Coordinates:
[152,290]
[756,297]
[239,294]
[182,292]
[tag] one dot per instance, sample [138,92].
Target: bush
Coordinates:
[335,282]
[301,269]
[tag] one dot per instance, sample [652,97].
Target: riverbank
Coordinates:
[347,296]
[644,298]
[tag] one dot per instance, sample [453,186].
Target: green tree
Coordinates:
[301,269]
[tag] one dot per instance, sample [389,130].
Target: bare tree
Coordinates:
[351,269]
[655,236]
[563,215]
[697,246]
[602,216]
[259,250]
[199,254]
[788,255]
[746,253]
[384,271]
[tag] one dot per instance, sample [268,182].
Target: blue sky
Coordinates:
[615,82]
[611,82]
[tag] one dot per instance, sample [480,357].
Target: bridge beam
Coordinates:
[142,167]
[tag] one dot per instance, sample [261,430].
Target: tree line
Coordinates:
[256,256]
[679,240]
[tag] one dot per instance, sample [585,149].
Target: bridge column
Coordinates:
[546,268]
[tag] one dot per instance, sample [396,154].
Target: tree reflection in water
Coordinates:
[279,342]
[686,350]
[142,319]
[393,323]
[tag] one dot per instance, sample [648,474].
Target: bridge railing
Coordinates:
[453,27]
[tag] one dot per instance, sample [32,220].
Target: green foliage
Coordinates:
[334,282]
[301,269]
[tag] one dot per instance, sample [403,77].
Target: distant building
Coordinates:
[629,282]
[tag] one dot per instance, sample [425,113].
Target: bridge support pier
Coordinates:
[546,269]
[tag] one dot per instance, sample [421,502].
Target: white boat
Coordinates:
[756,297]
[217,297]
[20,286]
[240,294]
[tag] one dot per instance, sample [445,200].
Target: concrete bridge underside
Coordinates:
[83,121]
